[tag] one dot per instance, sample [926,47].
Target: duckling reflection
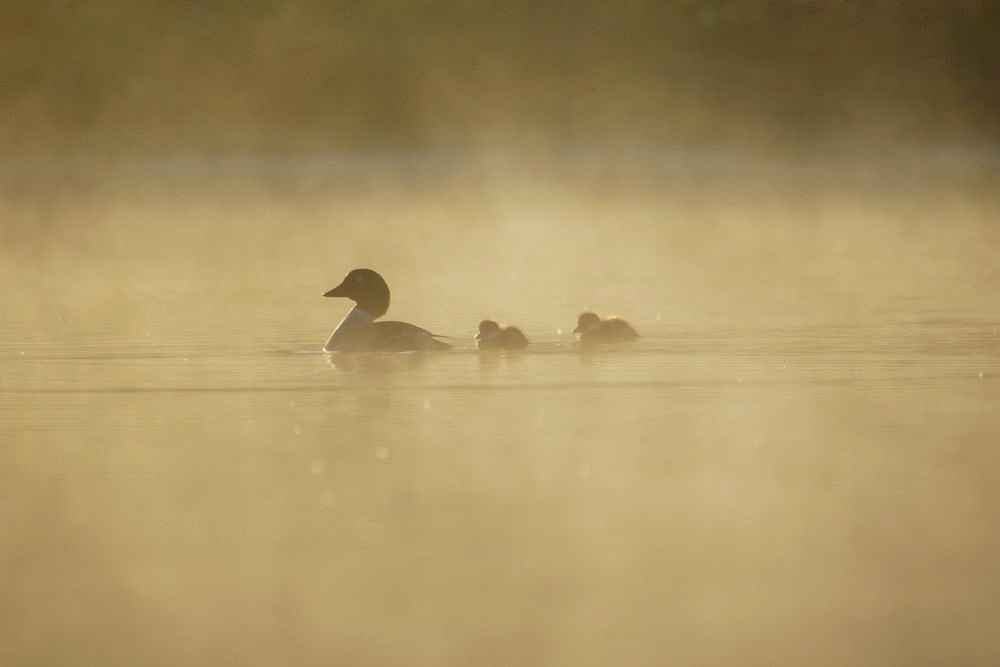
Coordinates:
[592,329]
[491,336]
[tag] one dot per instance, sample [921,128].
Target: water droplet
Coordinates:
[291,404]
[316,467]
[427,405]
[980,375]
[382,453]
[657,317]
[559,332]
[296,430]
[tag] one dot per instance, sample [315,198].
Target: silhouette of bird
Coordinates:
[359,332]
[593,329]
[492,336]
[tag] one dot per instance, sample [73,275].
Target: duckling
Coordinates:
[593,329]
[359,331]
[492,336]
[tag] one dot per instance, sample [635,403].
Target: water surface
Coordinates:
[796,464]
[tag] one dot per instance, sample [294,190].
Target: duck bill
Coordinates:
[336,291]
[576,330]
[478,336]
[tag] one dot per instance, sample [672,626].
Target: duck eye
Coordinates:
[359,279]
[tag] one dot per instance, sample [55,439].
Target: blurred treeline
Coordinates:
[181,75]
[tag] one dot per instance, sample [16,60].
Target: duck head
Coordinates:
[365,288]
[487,329]
[586,322]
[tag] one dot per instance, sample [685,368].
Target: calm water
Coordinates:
[797,464]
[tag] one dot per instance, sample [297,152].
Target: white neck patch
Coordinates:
[354,320]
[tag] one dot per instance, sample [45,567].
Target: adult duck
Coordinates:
[359,332]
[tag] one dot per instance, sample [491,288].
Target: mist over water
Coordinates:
[796,463]
[748,242]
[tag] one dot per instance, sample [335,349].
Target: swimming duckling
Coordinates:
[492,336]
[359,331]
[593,329]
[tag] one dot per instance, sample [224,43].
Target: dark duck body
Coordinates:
[492,336]
[593,329]
[359,332]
